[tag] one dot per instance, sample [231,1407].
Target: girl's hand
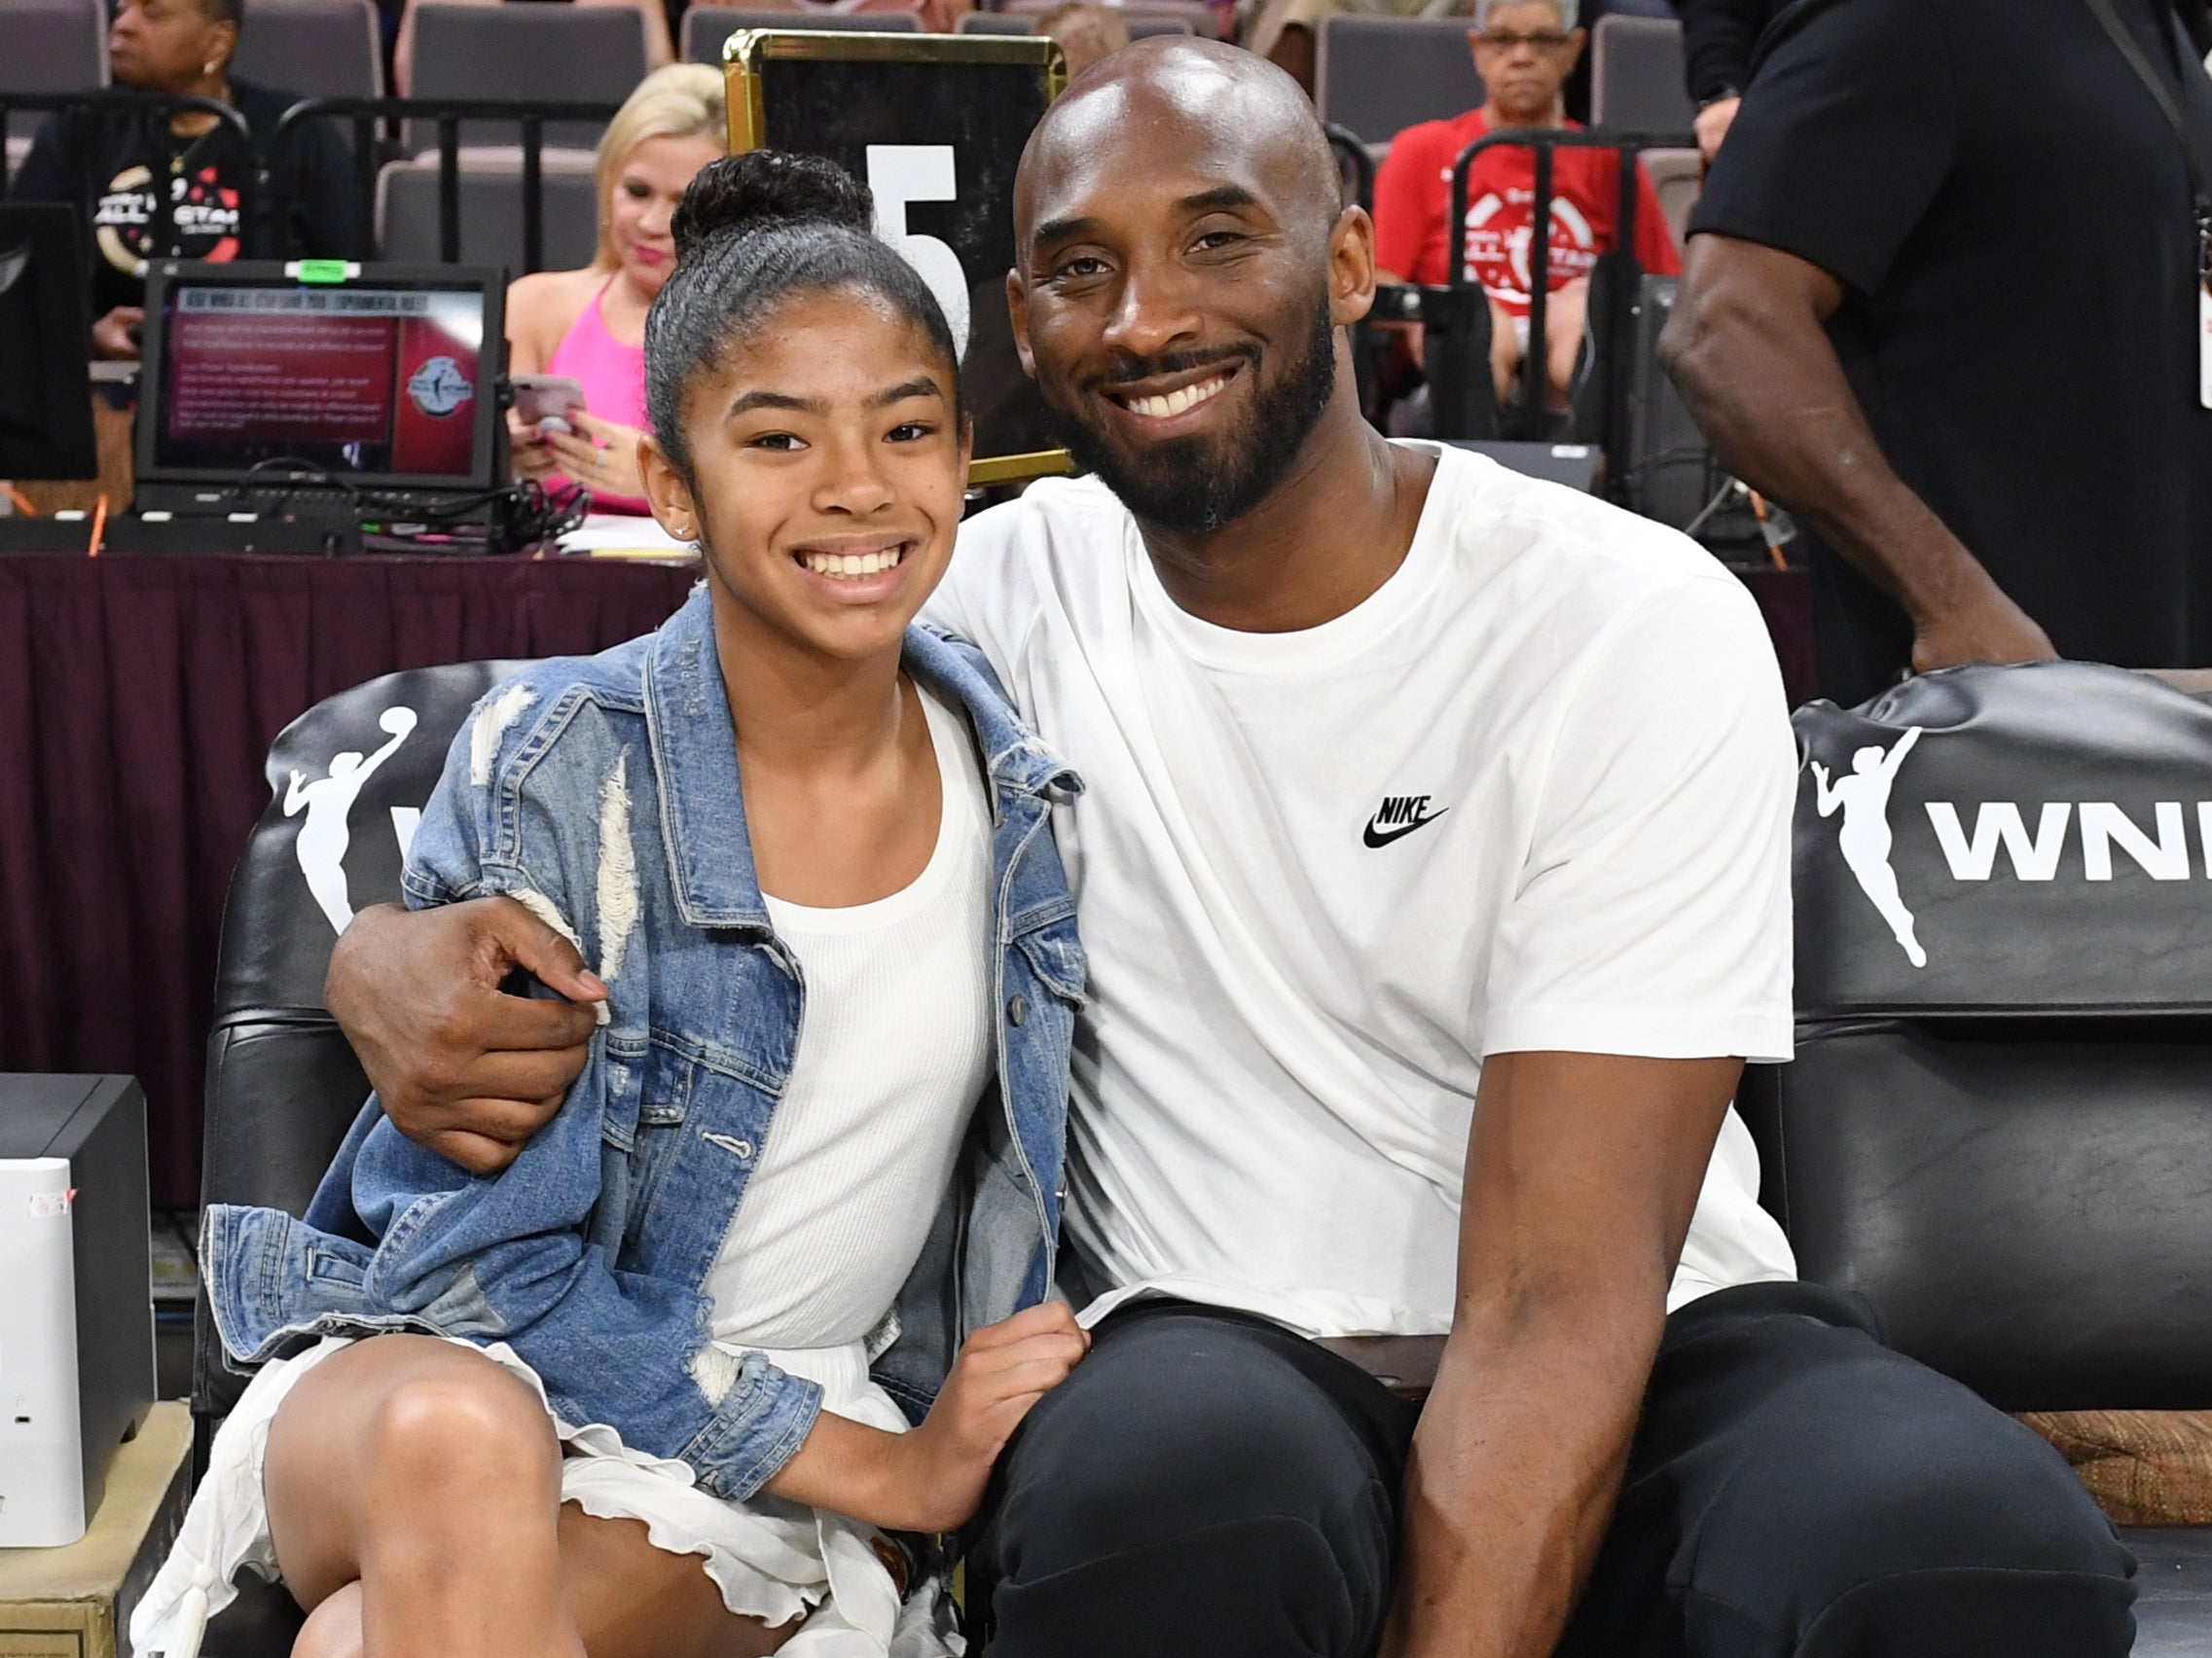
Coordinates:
[999,1375]
[931,1479]
[599,454]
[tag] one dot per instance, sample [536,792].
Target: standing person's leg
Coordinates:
[1798,1491]
[1204,1483]
[414,1493]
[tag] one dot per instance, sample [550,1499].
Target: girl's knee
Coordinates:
[462,1424]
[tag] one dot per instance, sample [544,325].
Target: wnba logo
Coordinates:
[2000,836]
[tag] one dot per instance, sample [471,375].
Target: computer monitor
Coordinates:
[260,373]
[46,400]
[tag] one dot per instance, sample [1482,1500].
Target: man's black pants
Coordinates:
[1209,1483]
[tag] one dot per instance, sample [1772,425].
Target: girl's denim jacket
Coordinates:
[603,792]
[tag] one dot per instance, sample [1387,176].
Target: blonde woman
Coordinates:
[590,324]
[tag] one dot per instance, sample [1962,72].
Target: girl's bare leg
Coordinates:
[414,1495]
[431,1476]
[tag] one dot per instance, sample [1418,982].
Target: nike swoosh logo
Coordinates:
[1374,837]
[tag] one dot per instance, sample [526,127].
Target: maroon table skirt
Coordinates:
[138,697]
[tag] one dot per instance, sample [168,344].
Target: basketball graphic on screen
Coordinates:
[439,387]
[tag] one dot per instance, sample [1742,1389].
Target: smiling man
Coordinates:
[1432,869]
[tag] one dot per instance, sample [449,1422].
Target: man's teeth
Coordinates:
[852,564]
[1176,402]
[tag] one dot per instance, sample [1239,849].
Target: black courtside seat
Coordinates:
[282,1085]
[2005,1144]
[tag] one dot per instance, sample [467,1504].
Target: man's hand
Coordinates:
[1990,628]
[460,1066]
[931,1479]
[1583,1173]
[112,336]
[1712,125]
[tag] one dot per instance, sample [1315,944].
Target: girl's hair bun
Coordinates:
[765,187]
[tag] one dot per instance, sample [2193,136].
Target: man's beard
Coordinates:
[1196,484]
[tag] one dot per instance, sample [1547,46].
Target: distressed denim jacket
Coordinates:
[603,792]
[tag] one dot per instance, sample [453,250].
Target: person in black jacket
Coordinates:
[180,186]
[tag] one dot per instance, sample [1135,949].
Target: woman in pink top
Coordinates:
[590,324]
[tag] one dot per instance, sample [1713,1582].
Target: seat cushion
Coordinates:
[2144,1467]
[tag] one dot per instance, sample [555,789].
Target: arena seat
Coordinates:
[1377,76]
[524,53]
[1146,17]
[49,46]
[283,1084]
[320,49]
[1677,178]
[1637,75]
[1012,22]
[491,209]
[1995,1128]
[706,27]
[1669,473]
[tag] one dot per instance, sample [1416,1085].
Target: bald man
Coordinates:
[1432,870]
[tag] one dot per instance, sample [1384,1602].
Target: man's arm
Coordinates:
[1748,348]
[458,1065]
[1583,1173]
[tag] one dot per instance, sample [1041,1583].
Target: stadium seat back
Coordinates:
[1377,76]
[1669,473]
[49,46]
[1637,75]
[318,49]
[490,211]
[1997,1125]
[1145,18]
[1678,179]
[523,53]
[283,1084]
[706,27]
[993,24]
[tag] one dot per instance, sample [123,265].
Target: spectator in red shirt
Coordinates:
[1524,50]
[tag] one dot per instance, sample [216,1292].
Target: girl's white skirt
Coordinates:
[773,1561]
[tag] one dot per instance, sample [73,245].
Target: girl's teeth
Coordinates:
[852,564]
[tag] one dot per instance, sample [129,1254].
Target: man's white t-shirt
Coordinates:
[1533,793]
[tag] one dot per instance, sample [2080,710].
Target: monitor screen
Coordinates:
[360,380]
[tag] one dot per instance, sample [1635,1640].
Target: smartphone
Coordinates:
[546,397]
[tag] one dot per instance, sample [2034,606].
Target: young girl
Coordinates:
[642,1392]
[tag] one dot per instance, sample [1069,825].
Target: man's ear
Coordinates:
[223,40]
[1018,309]
[1580,38]
[1351,267]
[667,490]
